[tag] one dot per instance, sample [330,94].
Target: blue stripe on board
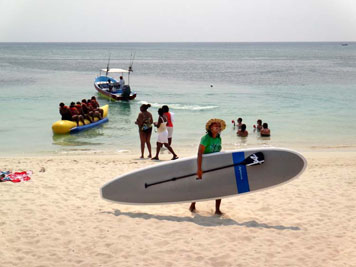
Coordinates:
[240,173]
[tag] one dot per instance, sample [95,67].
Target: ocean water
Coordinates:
[305,91]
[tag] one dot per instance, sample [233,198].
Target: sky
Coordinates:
[177,20]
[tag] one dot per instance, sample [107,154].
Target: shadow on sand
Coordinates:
[202,220]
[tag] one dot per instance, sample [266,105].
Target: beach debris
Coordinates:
[42,169]
[15,177]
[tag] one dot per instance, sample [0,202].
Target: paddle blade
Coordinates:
[254,159]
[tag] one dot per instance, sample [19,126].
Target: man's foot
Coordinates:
[142,157]
[175,157]
[218,212]
[192,208]
[149,156]
[155,158]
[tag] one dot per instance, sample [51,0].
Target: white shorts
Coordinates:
[162,137]
[170,132]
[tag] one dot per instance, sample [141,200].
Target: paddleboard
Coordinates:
[224,174]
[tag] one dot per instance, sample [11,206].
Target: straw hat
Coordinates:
[211,121]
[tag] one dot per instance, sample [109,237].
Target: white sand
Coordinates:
[59,219]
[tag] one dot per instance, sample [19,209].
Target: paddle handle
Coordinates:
[256,158]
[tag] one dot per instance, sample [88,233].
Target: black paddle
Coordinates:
[254,159]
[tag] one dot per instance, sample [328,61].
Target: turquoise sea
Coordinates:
[305,91]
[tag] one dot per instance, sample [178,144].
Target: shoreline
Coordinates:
[183,150]
[165,155]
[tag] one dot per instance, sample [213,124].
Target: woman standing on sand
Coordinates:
[209,143]
[162,138]
[144,122]
[169,116]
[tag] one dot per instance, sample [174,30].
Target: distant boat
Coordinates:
[109,87]
[344,44]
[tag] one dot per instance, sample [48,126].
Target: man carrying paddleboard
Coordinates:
[209,143]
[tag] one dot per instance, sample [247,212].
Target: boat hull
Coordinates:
[114,97]
[100,84]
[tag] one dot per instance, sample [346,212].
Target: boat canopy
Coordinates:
[116,70]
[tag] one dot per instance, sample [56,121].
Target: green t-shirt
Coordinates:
[211,144]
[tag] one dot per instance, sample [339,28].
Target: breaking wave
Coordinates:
[180,106]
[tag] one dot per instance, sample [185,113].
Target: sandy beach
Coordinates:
[59,219]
